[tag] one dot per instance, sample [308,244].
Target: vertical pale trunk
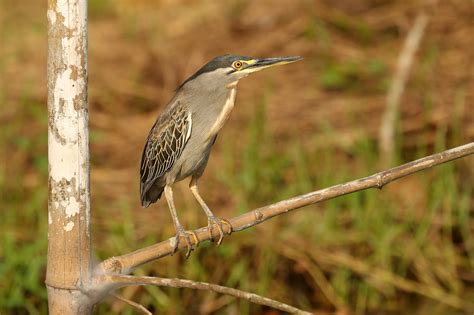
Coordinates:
[69,245]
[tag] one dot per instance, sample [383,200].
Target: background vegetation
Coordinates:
[294,129]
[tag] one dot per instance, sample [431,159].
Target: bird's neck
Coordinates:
[232,85]
[224,112]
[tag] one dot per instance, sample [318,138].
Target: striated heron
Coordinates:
[180,141]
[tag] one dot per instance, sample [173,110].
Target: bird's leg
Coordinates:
[179,228]
[211,218]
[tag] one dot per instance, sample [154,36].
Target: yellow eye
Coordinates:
[237,65]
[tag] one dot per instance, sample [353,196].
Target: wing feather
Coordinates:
[164,146]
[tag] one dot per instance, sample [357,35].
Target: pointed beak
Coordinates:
[260,64]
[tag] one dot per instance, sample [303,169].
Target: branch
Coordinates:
[405,61]
[126,263]
[136,305]
[122,280]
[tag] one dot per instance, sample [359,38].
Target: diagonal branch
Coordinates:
[123,280]
[136,305]
[126,263]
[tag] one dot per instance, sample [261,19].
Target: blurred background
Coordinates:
[408,248]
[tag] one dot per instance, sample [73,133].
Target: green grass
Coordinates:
[24,213]
[370,226]
[367,226]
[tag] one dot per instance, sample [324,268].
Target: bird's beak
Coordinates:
[260,64]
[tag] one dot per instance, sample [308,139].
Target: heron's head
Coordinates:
[227,70]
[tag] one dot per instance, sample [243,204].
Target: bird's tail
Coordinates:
[149,195]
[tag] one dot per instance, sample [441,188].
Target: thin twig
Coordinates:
[126,263]
[136,305]
[123,280]
[405,61]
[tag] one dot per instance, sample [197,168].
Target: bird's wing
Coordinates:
[164,145]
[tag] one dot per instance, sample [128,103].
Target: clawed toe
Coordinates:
[181,232]
[218,222]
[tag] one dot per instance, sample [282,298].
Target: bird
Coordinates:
[180,142]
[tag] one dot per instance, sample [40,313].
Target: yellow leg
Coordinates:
[179,228]
[211,218]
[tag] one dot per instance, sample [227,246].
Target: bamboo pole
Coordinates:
[69,244]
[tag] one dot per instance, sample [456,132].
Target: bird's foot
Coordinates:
[181,232]
[219,223]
